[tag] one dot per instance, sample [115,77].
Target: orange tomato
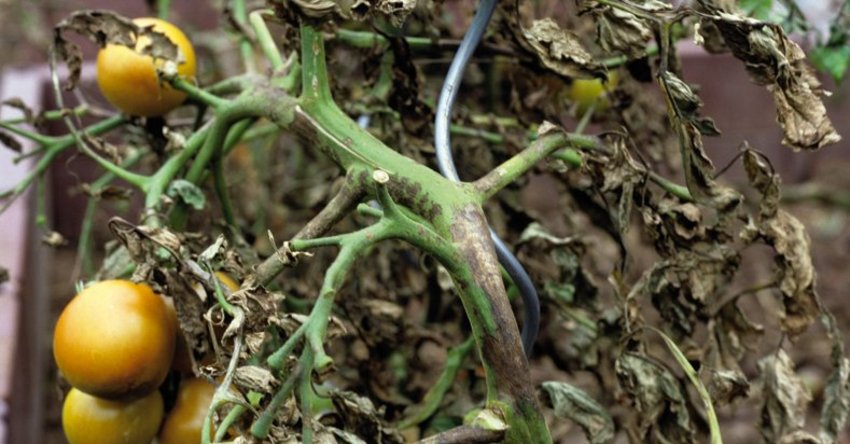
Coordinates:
[115,340]
[87,419]
[186,420]
[128,79]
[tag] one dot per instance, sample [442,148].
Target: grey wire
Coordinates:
[445,162]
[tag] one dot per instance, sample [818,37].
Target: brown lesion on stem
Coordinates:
[501,347]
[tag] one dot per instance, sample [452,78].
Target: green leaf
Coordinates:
[254,398]
[188,193]
[833,60]
[759,9]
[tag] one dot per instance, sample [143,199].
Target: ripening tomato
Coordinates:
[87,419]
[585,92]
[128,79]
[115,340]
[186,420]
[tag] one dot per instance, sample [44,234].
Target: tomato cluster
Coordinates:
[115,343]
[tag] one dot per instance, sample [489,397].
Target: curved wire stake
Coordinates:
[442,142]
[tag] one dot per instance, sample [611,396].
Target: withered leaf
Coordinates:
[657,395]
[105,27]
[622,32]
[682,285]
[785,398]
[732,335]
[836,403]
[54,239]
[362,418]
[778,63]
[560,50]
[396,11]
[574,403]
[619,174]
[788,237]
[109,192]
[253,377]
[17,103]
[727,385]
[699,170]
[10,142]
[315,8]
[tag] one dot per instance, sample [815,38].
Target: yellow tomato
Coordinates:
[128,79]
[585,92]
[87,419]
[115,340]
[186,420]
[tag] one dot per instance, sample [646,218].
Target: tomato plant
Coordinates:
[87,419]
[115,339]
[184,422]
[128,78]
[305,166]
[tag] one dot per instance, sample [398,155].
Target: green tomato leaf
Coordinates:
[254,398]
[188,193]
[833,60]
[759,9]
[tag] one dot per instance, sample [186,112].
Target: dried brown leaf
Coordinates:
[658,399]
[836,403]
[621,32]
[10,142]
[559,50]
[574,403]
[778,63]
[362,418]
[683,105]
[788,237]
[785,399]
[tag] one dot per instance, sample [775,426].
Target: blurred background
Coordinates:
[819,183]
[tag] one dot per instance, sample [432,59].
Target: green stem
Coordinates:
[264,37]
[314,76]
[198,94]
[434,398]
[240,14]
[220,183]
[238,110]
[35,137]
[260,428]
[162,7]
[54,114]
[232,416]
[508,171]
[53,150]
[137,180]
